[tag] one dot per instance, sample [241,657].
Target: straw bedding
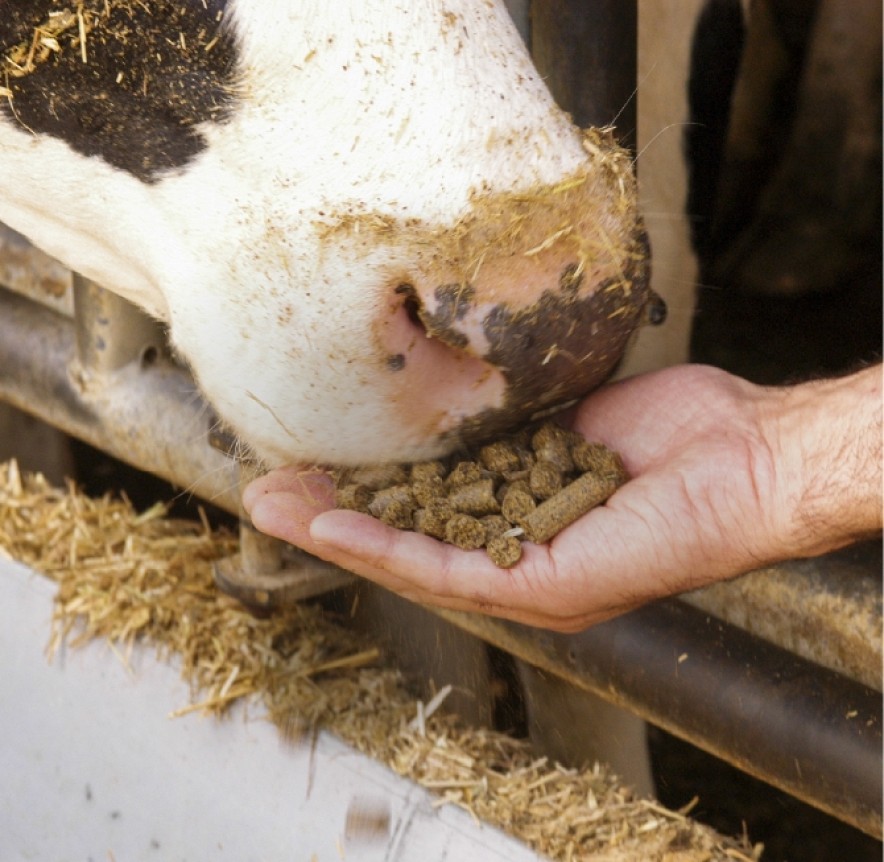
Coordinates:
[133,577]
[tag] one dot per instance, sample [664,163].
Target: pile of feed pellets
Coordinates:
[528,485]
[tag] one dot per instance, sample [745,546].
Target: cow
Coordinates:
[371,232]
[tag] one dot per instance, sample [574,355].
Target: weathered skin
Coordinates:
[369,228]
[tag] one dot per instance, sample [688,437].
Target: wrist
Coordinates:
[826,437]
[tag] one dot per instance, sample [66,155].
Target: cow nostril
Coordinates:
[411,304]
[655,309]
[412,309]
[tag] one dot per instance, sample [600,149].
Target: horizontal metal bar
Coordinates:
[33,273]
[797,726]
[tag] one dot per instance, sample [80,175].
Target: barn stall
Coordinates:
[777,673]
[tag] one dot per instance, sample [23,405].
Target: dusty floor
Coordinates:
[124,575]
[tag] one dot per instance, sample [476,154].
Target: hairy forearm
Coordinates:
[827,440]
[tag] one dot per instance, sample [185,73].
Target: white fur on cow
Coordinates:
[371,231]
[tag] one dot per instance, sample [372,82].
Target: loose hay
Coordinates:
[125,576]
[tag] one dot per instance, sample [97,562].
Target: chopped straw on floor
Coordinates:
[125,576]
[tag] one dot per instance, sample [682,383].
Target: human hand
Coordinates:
[713,494]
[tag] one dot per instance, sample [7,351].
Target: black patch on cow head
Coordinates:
[153,70]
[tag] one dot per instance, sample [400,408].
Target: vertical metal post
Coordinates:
[259,554]
[110,331]
[586,51]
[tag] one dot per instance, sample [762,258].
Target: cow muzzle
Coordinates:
[526,304]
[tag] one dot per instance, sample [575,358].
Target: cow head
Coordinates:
[373,234]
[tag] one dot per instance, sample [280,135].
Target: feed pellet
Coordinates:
[528,485]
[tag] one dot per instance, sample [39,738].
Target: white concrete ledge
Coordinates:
[92,768]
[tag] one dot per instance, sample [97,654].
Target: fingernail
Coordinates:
[321,533]
[250,495]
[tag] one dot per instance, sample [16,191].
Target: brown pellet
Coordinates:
[428,489]
[353,496]
[384,496]
[590,456]
[551,443]
[504,551]
[548,432]
[553,515]
[521,483]
[427,471]
[527,457]
[431,520]
[477,498]
[465,531]
[494,526]
[501,457]
[545,480]
[615,468]
[464,473]
[517,505]
[557,452]
[398,514]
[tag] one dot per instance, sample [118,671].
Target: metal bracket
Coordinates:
[267,574]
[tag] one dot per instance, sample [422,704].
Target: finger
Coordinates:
[287,516]
[281,506]
[423,570]
[312,484]
[428,570]
[377,551]
[617,415]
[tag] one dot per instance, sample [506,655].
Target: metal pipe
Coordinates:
[797,726]
[148,414]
